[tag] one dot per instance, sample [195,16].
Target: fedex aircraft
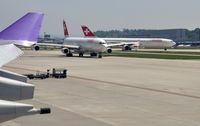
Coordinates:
[81,45]
[130,43]
[14,86]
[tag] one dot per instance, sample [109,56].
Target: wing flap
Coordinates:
[8,53]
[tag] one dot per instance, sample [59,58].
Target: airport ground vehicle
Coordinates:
[59,73]
[56,73]
[38,75]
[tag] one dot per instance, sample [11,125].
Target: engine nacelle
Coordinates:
[126,48]
[36,48]
[65,50]
[109,50]
[12,110]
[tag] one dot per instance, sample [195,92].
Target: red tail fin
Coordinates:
[66,33]
[87,32]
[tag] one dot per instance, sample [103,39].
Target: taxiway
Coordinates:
[112,91]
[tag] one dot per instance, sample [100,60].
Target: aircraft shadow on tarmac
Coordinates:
[63,56]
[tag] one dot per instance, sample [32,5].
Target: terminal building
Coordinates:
[47,38]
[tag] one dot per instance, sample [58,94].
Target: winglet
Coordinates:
[87,32]
[66,33]
[25,30]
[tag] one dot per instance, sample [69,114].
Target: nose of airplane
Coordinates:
[103,48]
[173,43]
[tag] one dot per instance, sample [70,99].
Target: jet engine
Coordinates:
[65,50]
[109,50]
[126,48]
[36,47]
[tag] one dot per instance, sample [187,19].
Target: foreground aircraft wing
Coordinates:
[58,45]
[8,53]
[11,110]
[24,32]
[13,86]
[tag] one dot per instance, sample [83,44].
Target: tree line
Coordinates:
[189,35]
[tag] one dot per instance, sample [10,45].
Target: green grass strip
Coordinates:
[154,55]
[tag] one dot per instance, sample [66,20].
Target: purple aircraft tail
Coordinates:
[25,30]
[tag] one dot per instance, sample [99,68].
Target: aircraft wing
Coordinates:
[13,86]
[122,44]
[131,43]
[8,53]
[58,45]
[115,44]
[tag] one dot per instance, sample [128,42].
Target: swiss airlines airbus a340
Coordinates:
[81,45]
[129,43]
[13,86]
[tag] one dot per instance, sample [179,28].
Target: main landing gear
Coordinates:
[100,55]
[69,54]
[93,54]
[96,55]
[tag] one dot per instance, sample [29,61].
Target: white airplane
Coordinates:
[81,45]
[130,43]
[13,86]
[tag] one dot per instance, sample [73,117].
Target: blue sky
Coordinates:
[105,14]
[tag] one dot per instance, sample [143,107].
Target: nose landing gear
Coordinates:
[100,55]
[81,54]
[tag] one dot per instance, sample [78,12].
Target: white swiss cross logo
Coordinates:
[86,31]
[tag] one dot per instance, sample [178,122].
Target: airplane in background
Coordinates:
[13,86]
[80,45]
[131,43]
